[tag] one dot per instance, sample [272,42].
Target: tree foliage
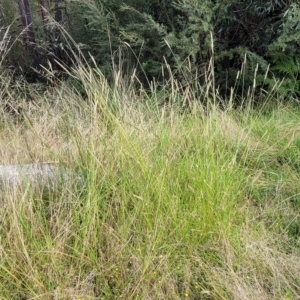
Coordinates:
[156,36]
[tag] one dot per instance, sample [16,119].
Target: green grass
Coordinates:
[178,205]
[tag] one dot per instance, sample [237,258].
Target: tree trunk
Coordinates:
[58,51]
[45,19]
[26,17]
[58,11]
[44,11]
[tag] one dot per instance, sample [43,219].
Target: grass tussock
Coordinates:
[198,205]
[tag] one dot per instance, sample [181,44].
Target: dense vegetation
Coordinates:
[177,205]
[152,38]
[182,119]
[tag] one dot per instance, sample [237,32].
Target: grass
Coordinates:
[197,205]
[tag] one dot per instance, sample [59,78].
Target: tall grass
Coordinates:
[201,204]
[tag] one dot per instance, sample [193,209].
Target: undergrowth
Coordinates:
[194,204]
